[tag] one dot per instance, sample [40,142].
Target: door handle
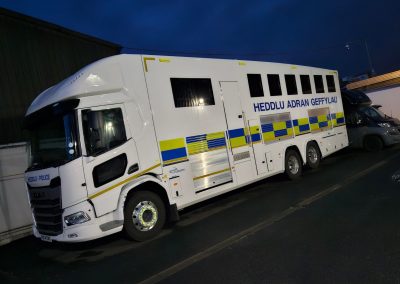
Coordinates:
[133,168]
[240,116]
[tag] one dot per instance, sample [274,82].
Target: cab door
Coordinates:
[110,156]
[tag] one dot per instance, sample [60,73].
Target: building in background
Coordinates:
[383,90]
[34,55]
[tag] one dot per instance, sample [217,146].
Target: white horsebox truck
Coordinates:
[128,141]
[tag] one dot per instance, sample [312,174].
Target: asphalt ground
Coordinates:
[338,223]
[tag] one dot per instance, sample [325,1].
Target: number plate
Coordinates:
[46,238]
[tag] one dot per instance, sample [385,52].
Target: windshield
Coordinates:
[372,113]
[53,138]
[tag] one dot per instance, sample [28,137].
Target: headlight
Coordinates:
[76,218]
[384,124]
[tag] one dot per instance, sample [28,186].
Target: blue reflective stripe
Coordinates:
[313,119]
[255,137]
[196,138]
[323,124]
[340,120]
[173,154]
[295,122]
[279,133]
[304,127]
[267,127]
[288,124]
[219,142]
[236,133]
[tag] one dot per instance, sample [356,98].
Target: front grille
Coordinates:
[46,208]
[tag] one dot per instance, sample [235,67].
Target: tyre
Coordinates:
[293,164]
[373,143]
[313,155]
[144,216]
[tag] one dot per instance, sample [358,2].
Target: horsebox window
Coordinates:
[291,85]
[274,85]
[319,85]
[255,85]
[305,84]
[331,83]
[192,92]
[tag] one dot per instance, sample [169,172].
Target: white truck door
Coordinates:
[238,135]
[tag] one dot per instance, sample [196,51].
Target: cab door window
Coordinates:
[103,130]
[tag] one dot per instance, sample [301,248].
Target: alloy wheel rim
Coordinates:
[145,216]
[293,165]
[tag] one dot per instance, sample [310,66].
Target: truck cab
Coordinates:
[92,141]
[367,126]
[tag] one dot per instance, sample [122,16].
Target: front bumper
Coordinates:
[392,136]
[93,229]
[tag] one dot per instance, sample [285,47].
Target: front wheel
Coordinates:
[373,143]
[293,164]
[144,216]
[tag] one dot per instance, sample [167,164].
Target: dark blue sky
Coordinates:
[300,32]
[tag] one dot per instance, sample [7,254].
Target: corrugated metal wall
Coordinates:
[35,55]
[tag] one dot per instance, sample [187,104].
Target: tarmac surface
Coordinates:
[338,223]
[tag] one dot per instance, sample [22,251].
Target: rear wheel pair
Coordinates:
[294,163]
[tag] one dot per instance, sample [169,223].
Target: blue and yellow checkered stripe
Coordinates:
[205,142]
[255,135]
[276,131]
[338,119]
[238,138]
[320,122]
[301,126]
[173,151]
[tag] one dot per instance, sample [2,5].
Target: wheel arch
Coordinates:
[148,183]
[295,148]
[364,139]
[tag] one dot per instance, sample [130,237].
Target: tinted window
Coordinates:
[192,92]
[255,85]
[274,85]
[331,83]
[291,85]
[305,84]
[103,130]
[110,170]
[319,85]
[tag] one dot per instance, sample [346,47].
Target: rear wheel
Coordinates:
[144,215]
[373,143]
[293,164]
[313,155]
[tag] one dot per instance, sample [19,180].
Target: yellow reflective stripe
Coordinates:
[322,118]
[242,63]
[280,125]
[238,141]
[303,121]
[164,60]
[254,129]
[172,144]
[215,135]
[145,62]
[268,136]
[211,174]
[123,182]
[173,161]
